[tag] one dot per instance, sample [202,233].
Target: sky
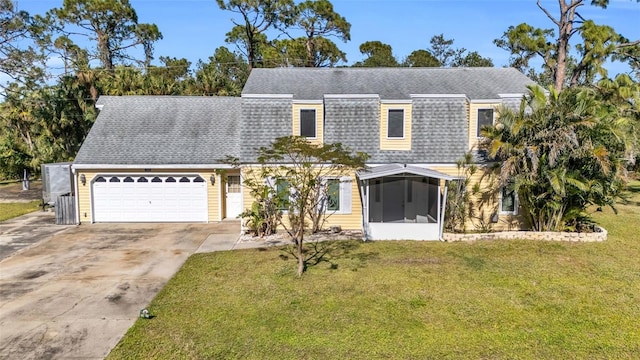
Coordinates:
[193,29]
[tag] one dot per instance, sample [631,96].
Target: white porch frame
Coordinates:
[393,231]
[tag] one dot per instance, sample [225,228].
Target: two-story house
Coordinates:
[157,158]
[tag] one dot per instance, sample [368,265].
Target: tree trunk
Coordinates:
[300,253]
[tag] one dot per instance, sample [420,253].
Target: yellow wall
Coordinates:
[352,221]
[319,120]
[473,121]
[391,143]
[487,200]
[213,192]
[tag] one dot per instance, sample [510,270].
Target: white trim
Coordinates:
[99,106]
[310,102]
[221,216]
[404,120]
[516,204]
[493,119]
[315,125]
[486,101]
[77,202]
[512,95]
[268,96]
[395,102]
[149,166]
[439,96]
[351,96]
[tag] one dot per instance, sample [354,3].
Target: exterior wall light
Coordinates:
[83,179]
[212,178]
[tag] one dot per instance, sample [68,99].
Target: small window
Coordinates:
[170,179]
[156,180]
[333,195]
[485,118]
[128,179]
[143,179]
[184,179]
[233,184]
[308,123]
[283,192]
[114,179]
[101,179]
[508,200]
[395,123]
[198,180]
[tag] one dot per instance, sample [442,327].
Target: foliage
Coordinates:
[405,300]
[599,44]
[257,17]
[113,24]
[292,176]
[562,153]
[262,219]
[19,61]
[464,198]
[442,50]
[378,55]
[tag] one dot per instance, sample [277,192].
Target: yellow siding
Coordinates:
[486,201]
[352,221]
[84,191]
[393,143]
[319,120]
[473,121]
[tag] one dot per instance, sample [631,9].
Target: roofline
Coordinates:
[439,96]
[268,96]
[150,166]
[396,169]
[351,96]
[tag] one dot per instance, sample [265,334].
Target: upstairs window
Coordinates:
[308,123]
[485,118]
[395,125]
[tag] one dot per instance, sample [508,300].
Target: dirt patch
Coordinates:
[14,193]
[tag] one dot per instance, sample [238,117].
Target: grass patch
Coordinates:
[11,210]
[405,300]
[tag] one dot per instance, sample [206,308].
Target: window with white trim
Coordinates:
[308,123]
[485,118]
[508,200]
[338,195]
[395,124]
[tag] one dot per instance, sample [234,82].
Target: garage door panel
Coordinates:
[128,198]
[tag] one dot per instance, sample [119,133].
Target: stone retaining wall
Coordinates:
[599,235]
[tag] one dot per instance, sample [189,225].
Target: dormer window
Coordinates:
[395,129]
[308,123]
[485,118]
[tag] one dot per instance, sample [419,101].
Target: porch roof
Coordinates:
[398,169]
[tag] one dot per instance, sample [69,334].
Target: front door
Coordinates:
[234,198]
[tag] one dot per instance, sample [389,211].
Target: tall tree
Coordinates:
[224,75]
[421,58]
[112,24]
[378,54]
[19,50]
[318,21]
[442,49]
[257,17]
[599,43]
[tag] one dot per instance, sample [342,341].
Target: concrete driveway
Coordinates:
[75,293]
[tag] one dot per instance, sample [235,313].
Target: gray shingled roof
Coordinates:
[389,83]
[136,130]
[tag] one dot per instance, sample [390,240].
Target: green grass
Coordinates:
[406,300]
[11,210]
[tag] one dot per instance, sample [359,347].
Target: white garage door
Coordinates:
[125,198]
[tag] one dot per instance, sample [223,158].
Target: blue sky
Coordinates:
[194,28]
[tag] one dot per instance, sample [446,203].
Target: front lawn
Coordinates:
[406,300]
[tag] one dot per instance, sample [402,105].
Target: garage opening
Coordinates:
[129,198]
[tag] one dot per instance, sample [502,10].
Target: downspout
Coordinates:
[77,196]
[444,207]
